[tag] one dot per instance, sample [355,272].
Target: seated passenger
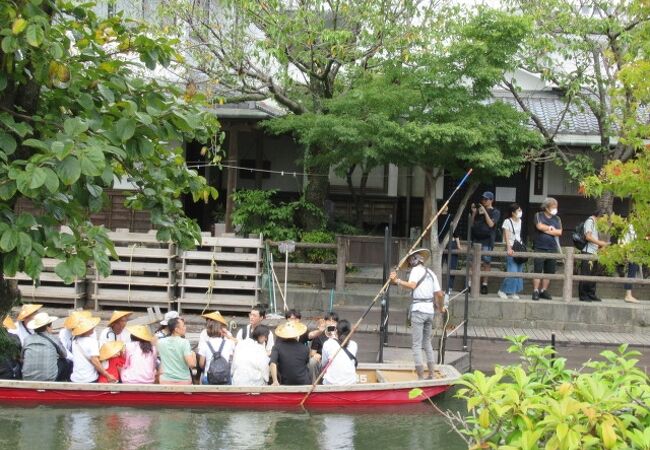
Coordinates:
[141,357]
[341,369]
[176,356]
[217,341]
[293,315]
[250,363]
[111,355]
[65,335]
[255,318]
[41,352]
[316,353]
[116,329]
[27,312]
[214,316]
[163,330]
[289,358]
[86,366]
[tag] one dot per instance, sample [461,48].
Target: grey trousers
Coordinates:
[421,329]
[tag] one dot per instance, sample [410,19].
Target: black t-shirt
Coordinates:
[545,241]
[481,232]
[292,358]
[317,343]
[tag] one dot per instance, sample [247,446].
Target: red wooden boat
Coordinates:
[379,384]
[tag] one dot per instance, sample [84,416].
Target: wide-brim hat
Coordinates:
[8,323]
[216,316]
[39,320]
[75,316]
[110,349]
[290,330]
[424,253]
[140,331]
[169,315]
[27,310]
[85,325]
[117,315]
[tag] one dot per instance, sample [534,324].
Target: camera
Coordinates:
[331,328]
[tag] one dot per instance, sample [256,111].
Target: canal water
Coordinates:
[410,427]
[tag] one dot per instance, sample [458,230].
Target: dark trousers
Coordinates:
[587,289]
[632,270]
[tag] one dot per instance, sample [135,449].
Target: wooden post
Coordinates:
[476,270]
[567,286]
[341,260]
[231,185]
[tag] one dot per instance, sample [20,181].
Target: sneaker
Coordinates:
[535,295]
[545,295]
[502,295]
[484,290]
[515,297]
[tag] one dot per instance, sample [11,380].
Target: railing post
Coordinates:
[341,260]
[476,270]
[567,286]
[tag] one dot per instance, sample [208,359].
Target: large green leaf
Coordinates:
[125,128]
[24,246]
[38,178]
[7,143]
[34,35]
[74,126]
[69,170]
[92,161]
[9,240]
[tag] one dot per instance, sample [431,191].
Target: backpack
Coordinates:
[219,370]
[578,236]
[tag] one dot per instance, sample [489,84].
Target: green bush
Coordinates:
[542,404]
[319,255]
[255,213]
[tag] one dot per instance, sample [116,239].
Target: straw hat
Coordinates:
[216,316]
[39,320]
[110,349]
[169,315]
[75,316]
[290,330]
[117,315]
[85,325]
[423,253]
[27,310]
[140,331]
[8,323]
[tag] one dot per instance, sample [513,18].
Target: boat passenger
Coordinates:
[214,316]
[116,329]
[250,363]
[111,355]
[65,335]
[343,366]
[41,352]
[217,341]
[176,357]
[316,353]
[141,357]
[10,359]
[163,330]
[86,366]
[26,314]
[255,318]
[294,315]
[290,358]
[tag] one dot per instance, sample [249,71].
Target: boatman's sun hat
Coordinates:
[8,323]
[110,349]
[75,316]
[27,310]
[39,320]
[117,315]
[216,316]
[422,253]
[290,330]
[140,331]
[85,325]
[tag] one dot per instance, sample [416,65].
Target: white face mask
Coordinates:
[518,214]
[553,211]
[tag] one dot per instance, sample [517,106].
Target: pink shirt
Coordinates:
[139,368]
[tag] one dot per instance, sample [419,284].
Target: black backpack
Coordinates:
[219,370]
[578,236]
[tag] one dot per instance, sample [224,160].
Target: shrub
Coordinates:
[256,213]
[319,255]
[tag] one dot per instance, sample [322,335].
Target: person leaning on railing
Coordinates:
[547,240]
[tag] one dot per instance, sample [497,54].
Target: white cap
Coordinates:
[169,315]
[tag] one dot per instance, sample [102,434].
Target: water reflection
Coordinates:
[337,432]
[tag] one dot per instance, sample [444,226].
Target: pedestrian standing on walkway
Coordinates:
[587,289]
[511,234]
[548,226]
[485,218]
[632,268]
[425,291]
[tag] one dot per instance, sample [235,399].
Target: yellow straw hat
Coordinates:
[216,316]
[117,315]
[39,320]
[423,253]
[8,323]
[27,310]
[75,316]
[290,330]
[85,325]
[110,349]
[140,331]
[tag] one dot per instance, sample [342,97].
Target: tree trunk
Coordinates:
[361,199]
[430,210]
[606,202]
[316,192]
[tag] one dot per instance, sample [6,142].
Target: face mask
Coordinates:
[518,214]
[553,211]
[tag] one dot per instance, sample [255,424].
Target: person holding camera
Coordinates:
[485,218]
[315,361]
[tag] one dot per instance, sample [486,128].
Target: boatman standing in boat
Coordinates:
[425,294]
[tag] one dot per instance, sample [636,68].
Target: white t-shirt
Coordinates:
[508,225]
[590,227]
[245,334]
[250,364]
[108,335]
[426,289]
[82,370]
[342,369]
[215,342]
